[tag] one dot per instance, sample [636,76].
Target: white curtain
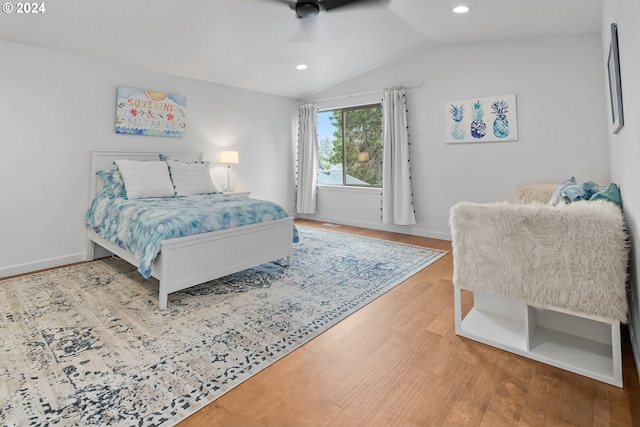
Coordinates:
[307,159]
[397,198]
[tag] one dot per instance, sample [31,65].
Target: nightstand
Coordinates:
[238,192]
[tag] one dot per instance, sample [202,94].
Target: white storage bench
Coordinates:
[586,345]
[548,282]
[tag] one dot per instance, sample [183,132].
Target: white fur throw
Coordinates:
[569,256]
[534,193]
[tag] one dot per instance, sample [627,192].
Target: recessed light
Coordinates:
[461,9]
[301,67]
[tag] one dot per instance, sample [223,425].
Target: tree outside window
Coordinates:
[350,146]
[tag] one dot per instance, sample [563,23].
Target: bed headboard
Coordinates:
[104,160]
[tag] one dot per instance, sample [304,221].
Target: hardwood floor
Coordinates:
[398,362]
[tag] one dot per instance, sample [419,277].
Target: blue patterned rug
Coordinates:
[87,345]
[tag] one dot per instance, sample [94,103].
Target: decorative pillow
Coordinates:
[191,178]
[560,196]
[610,193]
[570,191]
[145,179]
[113,183]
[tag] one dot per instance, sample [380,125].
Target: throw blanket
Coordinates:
[139,226]
[569,256]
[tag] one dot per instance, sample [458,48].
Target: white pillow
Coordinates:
[143,179]
[191,178]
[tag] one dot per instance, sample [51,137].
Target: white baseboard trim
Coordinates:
[404,229]
[41,265]
[634,347]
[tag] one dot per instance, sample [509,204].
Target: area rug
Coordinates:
[87,344]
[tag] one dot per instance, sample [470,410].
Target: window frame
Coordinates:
[344,151]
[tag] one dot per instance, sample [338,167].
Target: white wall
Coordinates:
[625,146]
[56,107]
[561,124]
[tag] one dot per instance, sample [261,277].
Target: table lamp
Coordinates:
[229,157]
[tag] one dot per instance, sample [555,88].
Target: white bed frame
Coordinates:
[187,261]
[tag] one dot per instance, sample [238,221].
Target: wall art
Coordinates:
[147,112]
[615,85]
[492,118]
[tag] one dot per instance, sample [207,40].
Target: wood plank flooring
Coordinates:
[398,362]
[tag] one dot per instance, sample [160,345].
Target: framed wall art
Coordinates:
[492,118]
[615,85]
[147,112]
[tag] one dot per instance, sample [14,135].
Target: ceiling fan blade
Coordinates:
[291,3]
[334,4]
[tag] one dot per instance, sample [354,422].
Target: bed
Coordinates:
[183,262]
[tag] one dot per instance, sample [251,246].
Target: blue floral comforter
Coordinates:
[140,225]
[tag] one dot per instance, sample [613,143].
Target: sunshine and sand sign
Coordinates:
[147,112]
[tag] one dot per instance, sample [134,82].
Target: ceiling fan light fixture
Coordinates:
[305,9]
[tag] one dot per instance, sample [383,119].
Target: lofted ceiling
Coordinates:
[256,44]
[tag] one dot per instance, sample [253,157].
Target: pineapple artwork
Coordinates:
[478,126]
[457,127]
[500,124]
[481,119]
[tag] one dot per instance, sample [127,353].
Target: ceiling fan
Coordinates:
[310,8]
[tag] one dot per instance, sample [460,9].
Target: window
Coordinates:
[350,146]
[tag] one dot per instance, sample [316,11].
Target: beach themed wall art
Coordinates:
[491,118]
[147,112]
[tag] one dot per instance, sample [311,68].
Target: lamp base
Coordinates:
[228,188]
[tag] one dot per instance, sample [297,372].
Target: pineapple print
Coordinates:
[478,126]
[457,128]
[500,124]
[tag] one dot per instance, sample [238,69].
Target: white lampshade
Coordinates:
[229,157]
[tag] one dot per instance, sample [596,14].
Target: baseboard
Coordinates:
[634,347]
[404,229]
[41,265]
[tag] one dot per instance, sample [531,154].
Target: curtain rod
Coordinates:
[413,85]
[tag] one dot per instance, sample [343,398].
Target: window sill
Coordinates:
[349,189]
